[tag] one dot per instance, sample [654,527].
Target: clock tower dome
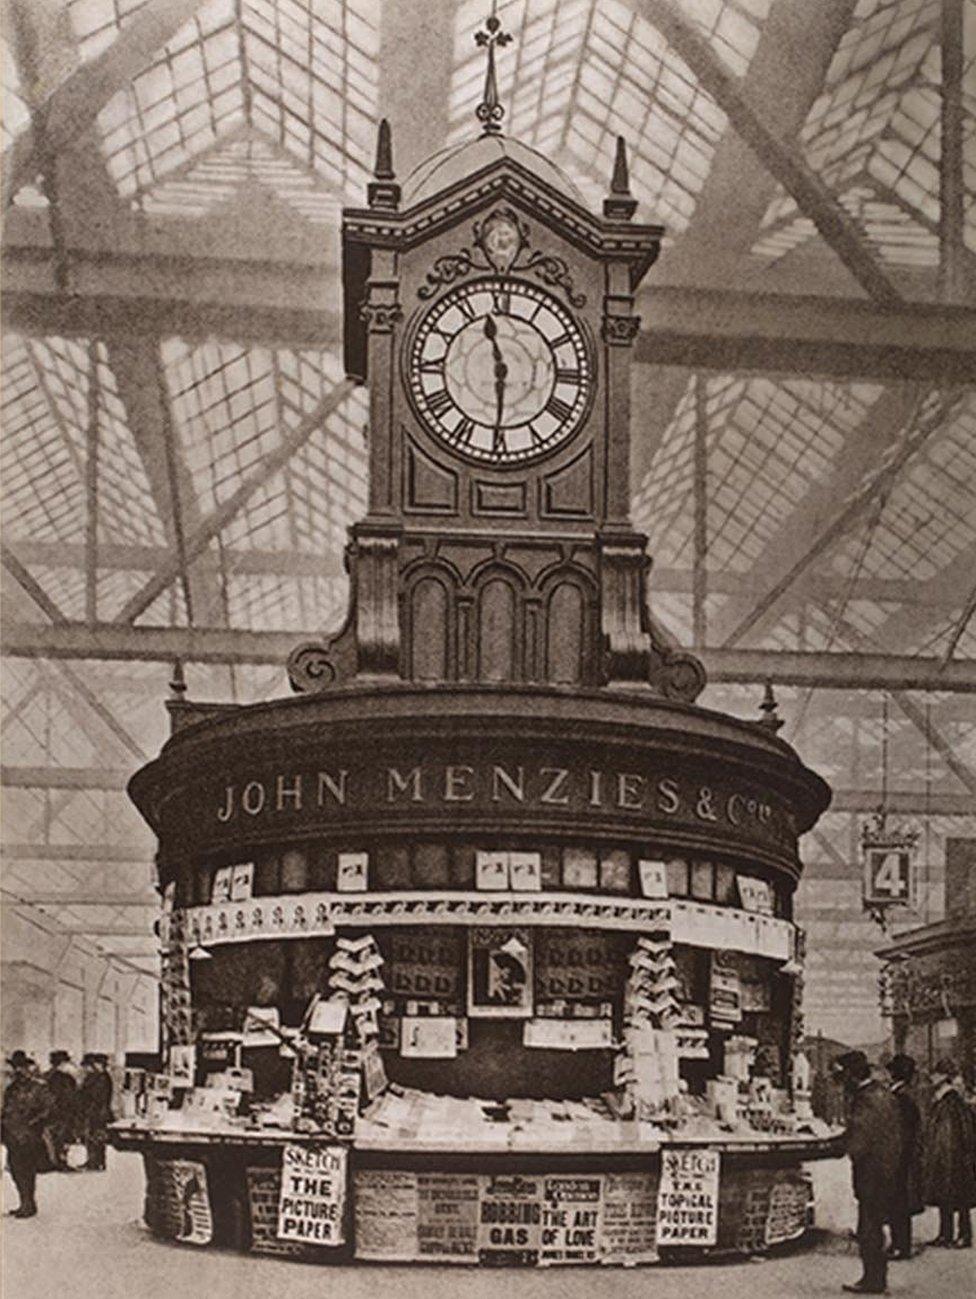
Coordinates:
[490,313]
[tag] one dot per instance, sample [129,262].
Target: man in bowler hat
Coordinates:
[95,1106]
[26,1107]
[908,1190]
[874,1144]
[63,1118]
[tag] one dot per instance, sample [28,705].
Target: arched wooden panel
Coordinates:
[565,635]
[496,632]
[429,630]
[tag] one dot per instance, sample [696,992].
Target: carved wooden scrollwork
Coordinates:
[446,270]
[311,668]
[377,604]
[381,317]
[620,331]
[677,676]
[488,255]
[636,651]
[552,270]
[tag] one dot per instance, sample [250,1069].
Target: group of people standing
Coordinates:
[44,1116]
[902,1163]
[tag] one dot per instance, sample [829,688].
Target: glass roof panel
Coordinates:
[233,406]
[873,136]
[41,478]
[768,443]
[302,77]
[96,23]
[928,517]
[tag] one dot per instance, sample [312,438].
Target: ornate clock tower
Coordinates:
[491,315]
[493,827]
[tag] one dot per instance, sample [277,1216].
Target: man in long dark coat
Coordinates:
[95,1107]
[63,1120]
[950,1157]
[908,1192]
[875,1149]
[26,1106]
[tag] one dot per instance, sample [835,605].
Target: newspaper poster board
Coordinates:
[628,1224]
[687,1199]
[510,1220]
[447,1216]
[386,1215]
[312,1203]
[571,1219]
[786,1217]
[192,1198]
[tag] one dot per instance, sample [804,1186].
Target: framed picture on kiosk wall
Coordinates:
[500,973]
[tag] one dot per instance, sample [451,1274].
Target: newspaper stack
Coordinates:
[421,1120]
[354,976]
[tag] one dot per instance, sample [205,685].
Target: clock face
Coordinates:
[499,371]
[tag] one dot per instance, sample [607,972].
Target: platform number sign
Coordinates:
[888,876]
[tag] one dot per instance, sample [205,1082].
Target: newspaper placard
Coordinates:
[193,1198]
[687,1198]
[313,1195]
[510,1220]
[570,1219]
[447,1216]
[386,1215]
[786,1217]
[628,1226]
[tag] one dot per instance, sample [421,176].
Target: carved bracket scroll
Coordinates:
[501,244]
[635,653]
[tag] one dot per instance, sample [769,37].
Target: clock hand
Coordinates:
[501,374]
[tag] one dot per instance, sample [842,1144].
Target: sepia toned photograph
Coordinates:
[488,642]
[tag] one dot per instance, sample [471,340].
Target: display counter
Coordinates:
[536,1208]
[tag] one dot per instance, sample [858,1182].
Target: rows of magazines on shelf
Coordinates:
[332,1065]
[725,909]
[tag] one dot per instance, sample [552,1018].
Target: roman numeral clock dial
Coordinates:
[499,371]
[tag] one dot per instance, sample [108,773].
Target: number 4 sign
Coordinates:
[888,876]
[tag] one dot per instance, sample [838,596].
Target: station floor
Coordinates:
[87,1240]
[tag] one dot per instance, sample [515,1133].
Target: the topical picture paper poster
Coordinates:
[687,1199]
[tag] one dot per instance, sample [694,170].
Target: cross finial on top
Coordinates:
[490,112]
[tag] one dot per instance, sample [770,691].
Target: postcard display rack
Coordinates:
[480,949]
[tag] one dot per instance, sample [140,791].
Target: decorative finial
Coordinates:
[382,191]
[177,685]
[490,112]
[770,719]
[620,205]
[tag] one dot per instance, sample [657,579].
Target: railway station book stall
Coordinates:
[480,948]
